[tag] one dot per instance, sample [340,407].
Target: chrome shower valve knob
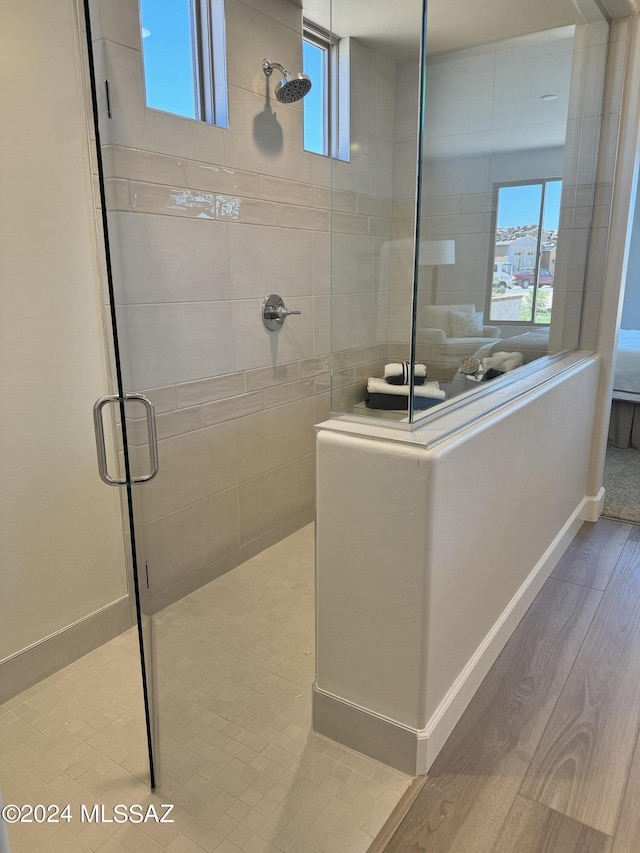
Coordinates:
[275,312]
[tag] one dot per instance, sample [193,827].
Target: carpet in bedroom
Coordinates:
[622,484]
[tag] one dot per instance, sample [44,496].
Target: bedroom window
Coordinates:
[524,257]
[326,108]
[184,58]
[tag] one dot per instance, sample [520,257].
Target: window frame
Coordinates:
[336,105]
[542,182]
[209,58]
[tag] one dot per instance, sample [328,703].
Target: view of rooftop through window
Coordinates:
[525,244]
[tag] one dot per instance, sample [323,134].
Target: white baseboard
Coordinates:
[413,751]
[593,506]
[365,731]
[27,667]
[464,687]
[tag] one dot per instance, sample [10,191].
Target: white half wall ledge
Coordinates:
[428,558]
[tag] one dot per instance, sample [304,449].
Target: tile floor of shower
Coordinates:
[240,762]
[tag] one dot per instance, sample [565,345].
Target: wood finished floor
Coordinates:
[546,758]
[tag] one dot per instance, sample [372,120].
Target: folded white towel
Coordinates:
[504,361]
[402,369]
[381,386]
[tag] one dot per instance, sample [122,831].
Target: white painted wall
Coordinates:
[62,551]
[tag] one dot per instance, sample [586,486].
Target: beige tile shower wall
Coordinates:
[392,256]
[360,260]
[205,222]
[586,201]
[606,159]
[405,150]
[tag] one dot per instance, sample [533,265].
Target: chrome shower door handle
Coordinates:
[152,433]
[98,424]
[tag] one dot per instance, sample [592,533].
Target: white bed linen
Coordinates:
[532,345]
[626,383]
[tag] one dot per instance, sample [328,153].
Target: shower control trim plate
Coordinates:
[275,312]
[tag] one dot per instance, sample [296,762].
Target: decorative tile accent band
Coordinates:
[196,405]
[228,195]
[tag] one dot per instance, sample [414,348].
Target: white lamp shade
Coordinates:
[437,253]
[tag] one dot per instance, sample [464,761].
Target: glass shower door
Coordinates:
[197,236]
[122,405]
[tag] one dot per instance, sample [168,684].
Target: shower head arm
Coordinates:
[268,66]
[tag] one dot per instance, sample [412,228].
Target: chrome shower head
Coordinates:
[291,87]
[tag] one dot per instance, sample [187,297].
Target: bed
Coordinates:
[624,426]
[533,344]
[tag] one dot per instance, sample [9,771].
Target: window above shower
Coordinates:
[326,123]
[184,58]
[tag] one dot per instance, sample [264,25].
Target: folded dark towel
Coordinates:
[398,373]
[492,373]
[394,402]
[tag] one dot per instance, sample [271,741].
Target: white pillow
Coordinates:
[437,316]
[465,325]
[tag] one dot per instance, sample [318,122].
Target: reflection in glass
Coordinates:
[373,204]
[501,161]
[476,142]
[525,244]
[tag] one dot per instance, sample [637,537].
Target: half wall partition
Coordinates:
[434,538]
